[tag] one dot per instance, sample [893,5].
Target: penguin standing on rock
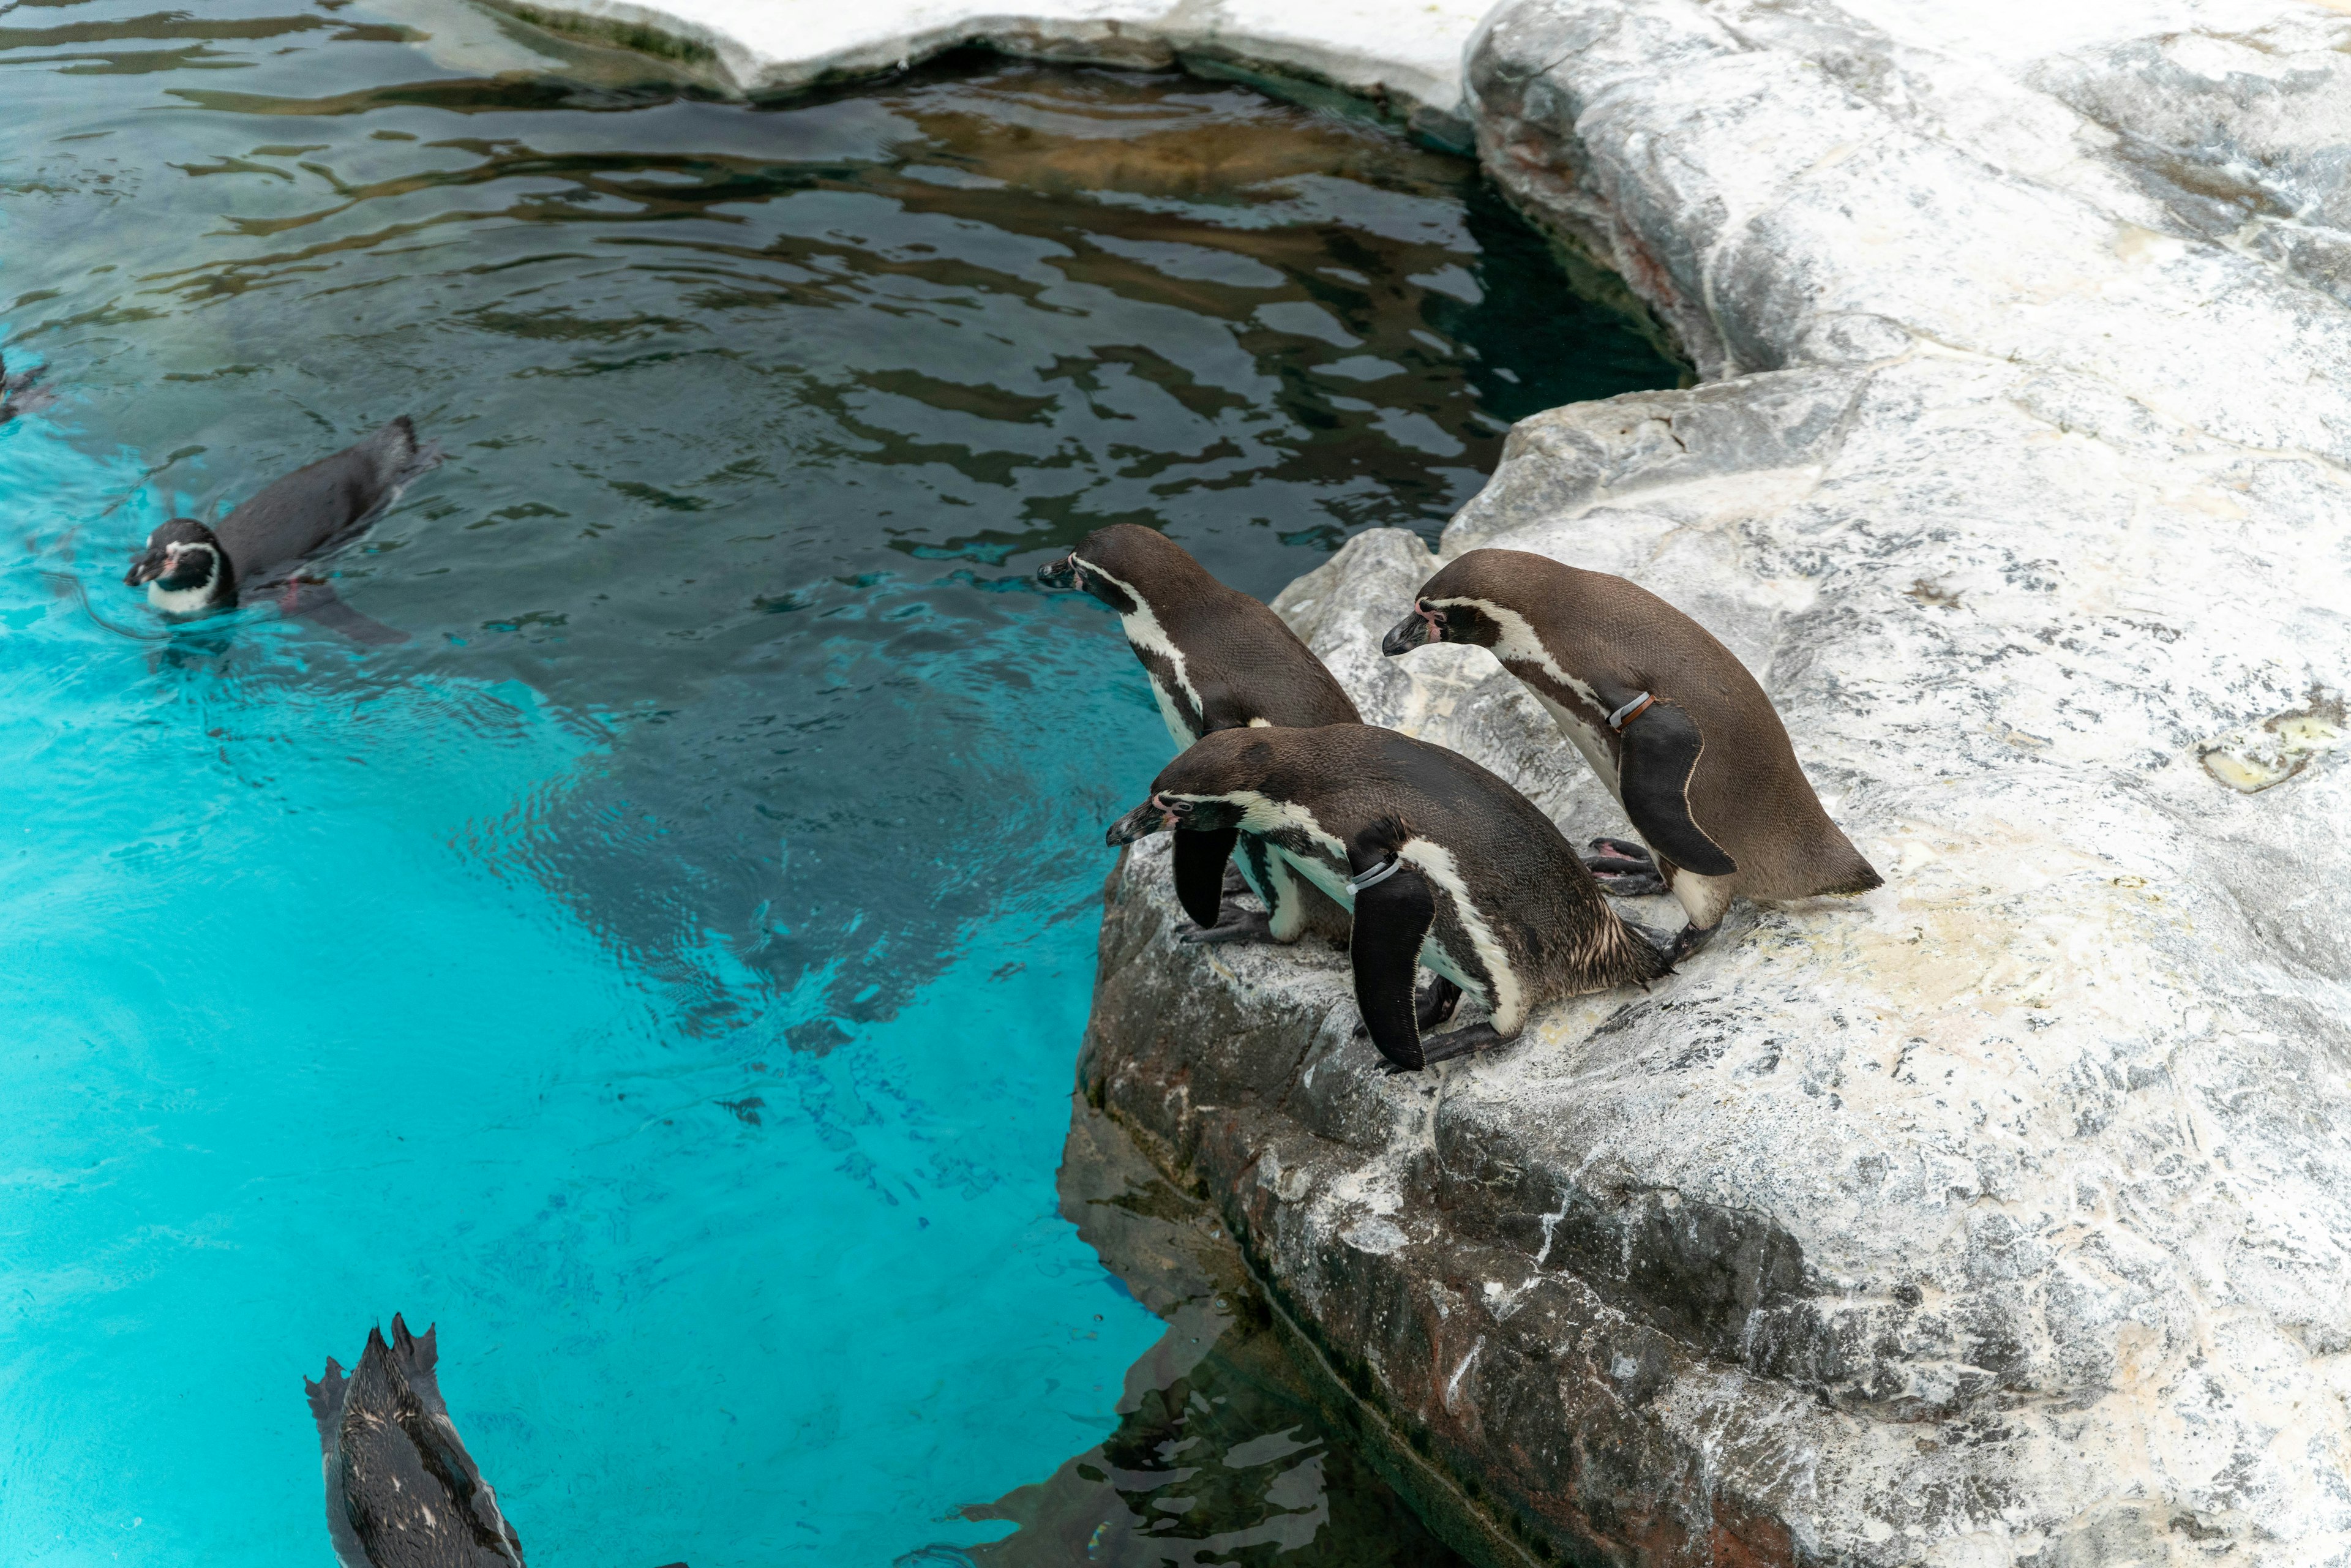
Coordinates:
[1217,660]
[402,1491]
[1441,862]
[191,570]
[1669,719]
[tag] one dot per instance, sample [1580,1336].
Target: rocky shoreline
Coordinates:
[2000,1216]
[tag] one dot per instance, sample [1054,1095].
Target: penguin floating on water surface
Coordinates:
[191,570]
[1217,660]
[402,1491]
[17,394]
[1669,719]
[1441,862]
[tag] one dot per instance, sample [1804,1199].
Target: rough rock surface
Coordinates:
[2004,1214]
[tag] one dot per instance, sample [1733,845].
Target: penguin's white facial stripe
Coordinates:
[1144,630]
[1508,999]
[1515,642]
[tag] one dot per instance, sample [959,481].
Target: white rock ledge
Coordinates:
[2003,1216]
[1403,56]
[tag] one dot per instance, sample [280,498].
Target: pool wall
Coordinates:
[2002,1215]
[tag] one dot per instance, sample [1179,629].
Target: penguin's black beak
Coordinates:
[1061,573]
[1416,630]
[1145,819]
[146,568]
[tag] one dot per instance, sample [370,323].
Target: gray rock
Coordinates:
[2000,1216]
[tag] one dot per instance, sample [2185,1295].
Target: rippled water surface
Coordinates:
[664,971]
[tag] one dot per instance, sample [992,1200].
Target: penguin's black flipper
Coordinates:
[1200,860]
[317,601]
[1661,751]
[1392,920]
[1437,1003]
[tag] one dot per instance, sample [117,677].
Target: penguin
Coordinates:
[402,1491]
[1669,719]
[1217,659]
[18,395]
[191,570]
[1440,863]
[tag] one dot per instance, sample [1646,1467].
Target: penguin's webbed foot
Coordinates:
[1437,1048]
[1236,884]
[1431,1005]
[1622,868]
[1232,925]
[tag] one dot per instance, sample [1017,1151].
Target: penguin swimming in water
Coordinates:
[402,1491]
[1441,862]
[1217,659]
[191,570]
[1669,719]
[17,394]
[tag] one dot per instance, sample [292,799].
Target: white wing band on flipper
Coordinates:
[1375,876]
[1629,712]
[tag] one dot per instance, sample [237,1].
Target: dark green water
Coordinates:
[729,675]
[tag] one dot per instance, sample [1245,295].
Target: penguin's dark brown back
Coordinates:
[1525,877]
[402,1490]
[1246,663]
[1748,791]
[314,506]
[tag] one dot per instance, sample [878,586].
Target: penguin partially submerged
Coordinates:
[1217,659]
[402,1491]
[191,570]
[1442,863]
[1669,719]
[18,395]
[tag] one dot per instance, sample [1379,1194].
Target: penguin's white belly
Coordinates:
[1323,875]
[1180,732]
[1501,989]
[1587,740]
[1437,961]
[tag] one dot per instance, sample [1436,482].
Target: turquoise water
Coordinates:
[664,972]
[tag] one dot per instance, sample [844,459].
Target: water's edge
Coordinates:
[712,59]
[1200,1249]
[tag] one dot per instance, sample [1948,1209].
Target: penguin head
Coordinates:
[1125,566]
[181,557]
[1455,605]
[1207,789]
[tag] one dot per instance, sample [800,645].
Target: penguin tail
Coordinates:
[1633,955]
[403,456]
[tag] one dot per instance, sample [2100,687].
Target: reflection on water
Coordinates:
[730,829]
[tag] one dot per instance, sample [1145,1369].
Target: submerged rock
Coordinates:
[2002,1215]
